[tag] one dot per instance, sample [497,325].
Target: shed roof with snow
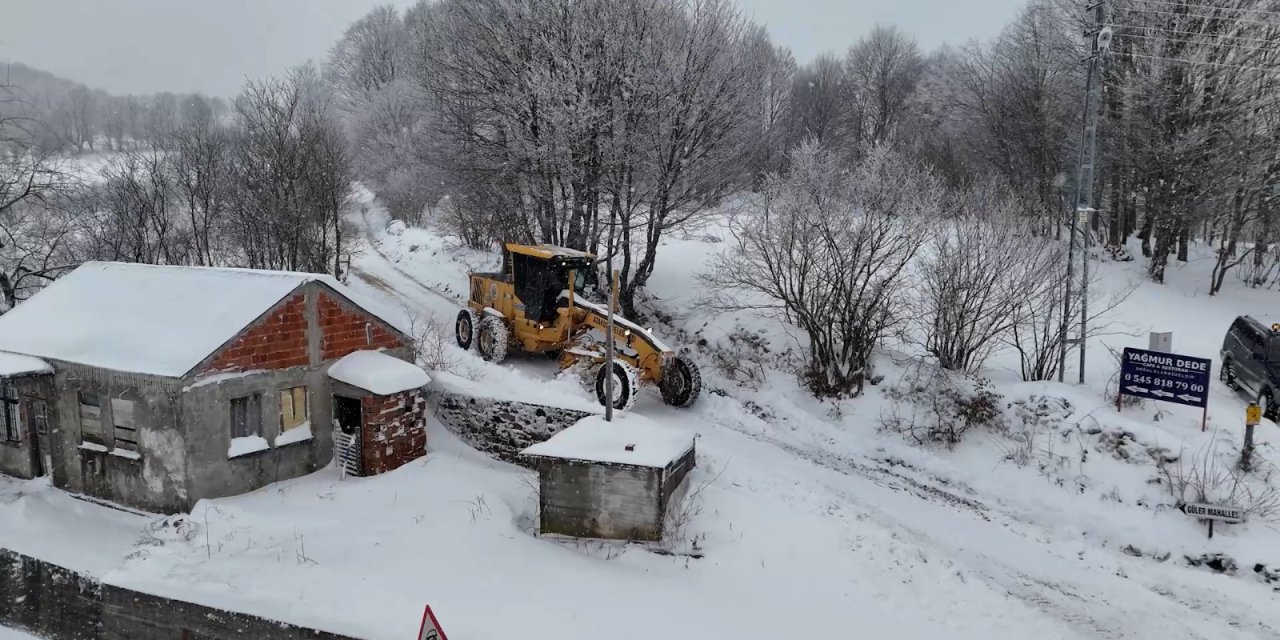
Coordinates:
[157,320]
[378,372]
[630,439]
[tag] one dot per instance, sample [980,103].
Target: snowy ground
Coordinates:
[803,512]
[10,634]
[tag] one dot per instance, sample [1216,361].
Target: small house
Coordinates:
[166,385]
[613,480]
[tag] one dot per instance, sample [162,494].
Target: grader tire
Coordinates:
[681,382]
[493,339]
[626,385]
[465,329]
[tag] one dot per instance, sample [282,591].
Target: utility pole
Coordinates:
[1081,214]
[613,302]
[608,355]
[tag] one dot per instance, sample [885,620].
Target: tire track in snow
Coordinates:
[367,232]
[1094,616]
[1054,598]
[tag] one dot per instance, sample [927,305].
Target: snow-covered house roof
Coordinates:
[158,320]
[629,439]
[13,364]
[377,372]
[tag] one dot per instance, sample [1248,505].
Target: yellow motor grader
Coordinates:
[535,304]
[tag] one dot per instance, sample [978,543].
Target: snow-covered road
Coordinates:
[808,521]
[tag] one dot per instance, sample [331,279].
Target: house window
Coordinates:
[91,417]
[125,426]
[293,408]
[9,427]
[246,416]
[40,416]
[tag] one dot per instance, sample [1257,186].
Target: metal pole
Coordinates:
[608,355]
[1083,199]
[1066,302]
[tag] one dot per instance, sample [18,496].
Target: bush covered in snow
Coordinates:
[936,406]
[433,343]
[1212,476]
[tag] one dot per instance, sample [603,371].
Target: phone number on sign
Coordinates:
[1161,382]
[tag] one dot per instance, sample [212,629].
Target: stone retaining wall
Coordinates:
[500,428]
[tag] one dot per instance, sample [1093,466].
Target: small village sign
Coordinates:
[1214,513]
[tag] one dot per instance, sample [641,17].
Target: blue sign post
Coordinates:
[1167,377]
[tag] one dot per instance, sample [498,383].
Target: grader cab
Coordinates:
[536,305]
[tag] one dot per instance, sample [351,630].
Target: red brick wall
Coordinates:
[394,431]
[279,341]
[343,330]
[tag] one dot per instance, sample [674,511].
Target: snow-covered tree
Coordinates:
[828,250]
[975,276]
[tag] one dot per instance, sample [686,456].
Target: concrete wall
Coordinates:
[20,458]
[206,409]
[500,428]
[290,345]
[673,478]
[130,615]
[156,481]
[600,501]
[48,600]
[56,603]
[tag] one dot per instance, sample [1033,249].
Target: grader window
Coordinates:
[538,283]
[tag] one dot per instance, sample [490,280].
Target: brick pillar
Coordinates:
[394,430]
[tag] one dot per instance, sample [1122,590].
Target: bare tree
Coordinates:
[769,103]
[83,107]
[200,159]
[370,55]
[32,228]
[694,156]
[818,110]
[976,275]
[1012,107]
[828,250]
[294,173]
[883,70]
[135,212]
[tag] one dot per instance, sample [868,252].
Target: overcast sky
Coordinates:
[212,46]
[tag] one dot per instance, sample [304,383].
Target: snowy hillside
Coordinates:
[803,513]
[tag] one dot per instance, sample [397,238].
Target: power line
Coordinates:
[1166,30]
[1264,23]
[1206,7]
[1199,62]
[1232,45]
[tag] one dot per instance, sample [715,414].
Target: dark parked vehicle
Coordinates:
[1251,362]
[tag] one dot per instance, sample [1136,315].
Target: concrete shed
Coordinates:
[613,480]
